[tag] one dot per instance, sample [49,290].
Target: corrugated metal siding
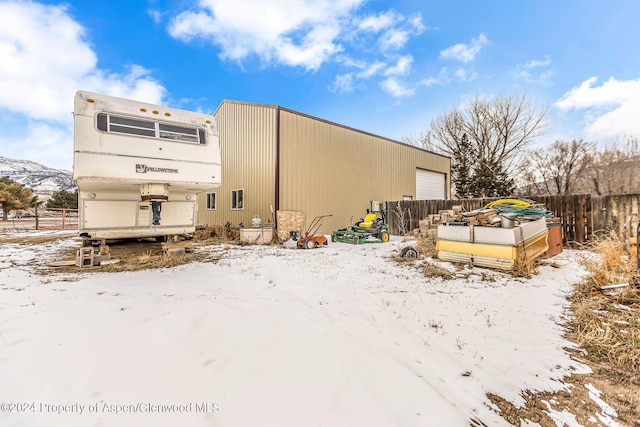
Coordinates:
[248,149]
[329,169]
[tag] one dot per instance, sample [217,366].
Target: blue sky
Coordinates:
[384,67]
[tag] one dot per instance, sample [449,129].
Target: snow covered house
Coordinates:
[274,158]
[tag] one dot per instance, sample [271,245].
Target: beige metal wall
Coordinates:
[248,150]
[326,168]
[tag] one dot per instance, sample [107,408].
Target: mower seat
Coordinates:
[368,221]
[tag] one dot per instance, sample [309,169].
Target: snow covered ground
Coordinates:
[269,336]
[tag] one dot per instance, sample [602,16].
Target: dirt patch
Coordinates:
[25,239]
[133,255]
[622,403]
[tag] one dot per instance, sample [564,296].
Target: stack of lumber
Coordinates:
[484,217]
[428,227]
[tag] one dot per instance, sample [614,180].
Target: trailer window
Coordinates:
[131,126]
[151,129]
[237,199]
[211,201]
[178,133]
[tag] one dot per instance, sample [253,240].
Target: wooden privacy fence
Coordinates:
[582,215]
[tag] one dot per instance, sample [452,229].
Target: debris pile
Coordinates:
[491,215]
[428,227]
[487,217]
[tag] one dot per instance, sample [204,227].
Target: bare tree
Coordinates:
[615,169]
[401,222]
[561,168]
[488,135]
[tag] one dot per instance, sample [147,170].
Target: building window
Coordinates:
[211,201]
[405,197]
[237,199]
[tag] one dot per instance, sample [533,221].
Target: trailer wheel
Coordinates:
[310,244]
[161,239]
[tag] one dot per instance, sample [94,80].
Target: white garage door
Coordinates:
[429,185]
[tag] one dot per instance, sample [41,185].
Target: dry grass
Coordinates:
[523,267]
[404,260]
[432,270]
[218,234]
[133,256]
[30,240]
[607,322]
[152,261]
[426,247]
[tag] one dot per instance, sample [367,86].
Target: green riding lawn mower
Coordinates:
[370,229]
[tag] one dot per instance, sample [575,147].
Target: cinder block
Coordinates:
[85,257]
[176,251]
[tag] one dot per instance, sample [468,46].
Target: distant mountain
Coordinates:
[42,180]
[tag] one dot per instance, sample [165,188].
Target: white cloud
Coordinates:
[441,79]
[371,70]
[395,88]
[42,55]
[535,71]
[343,83]
[306,34]
[348,82]
[376,23]
[544,78]
[445,77]
[416,22]
[465,76]
[295,33]
[44,59]
[156,15]
[43,143]
[611,110]
[402,67]
[534,63]
[465,52]
[394,39]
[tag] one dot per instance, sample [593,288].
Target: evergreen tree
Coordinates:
[491,180]
[13,195]
[461,168]
[63,199]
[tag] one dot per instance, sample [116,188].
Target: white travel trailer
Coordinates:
[138,167]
